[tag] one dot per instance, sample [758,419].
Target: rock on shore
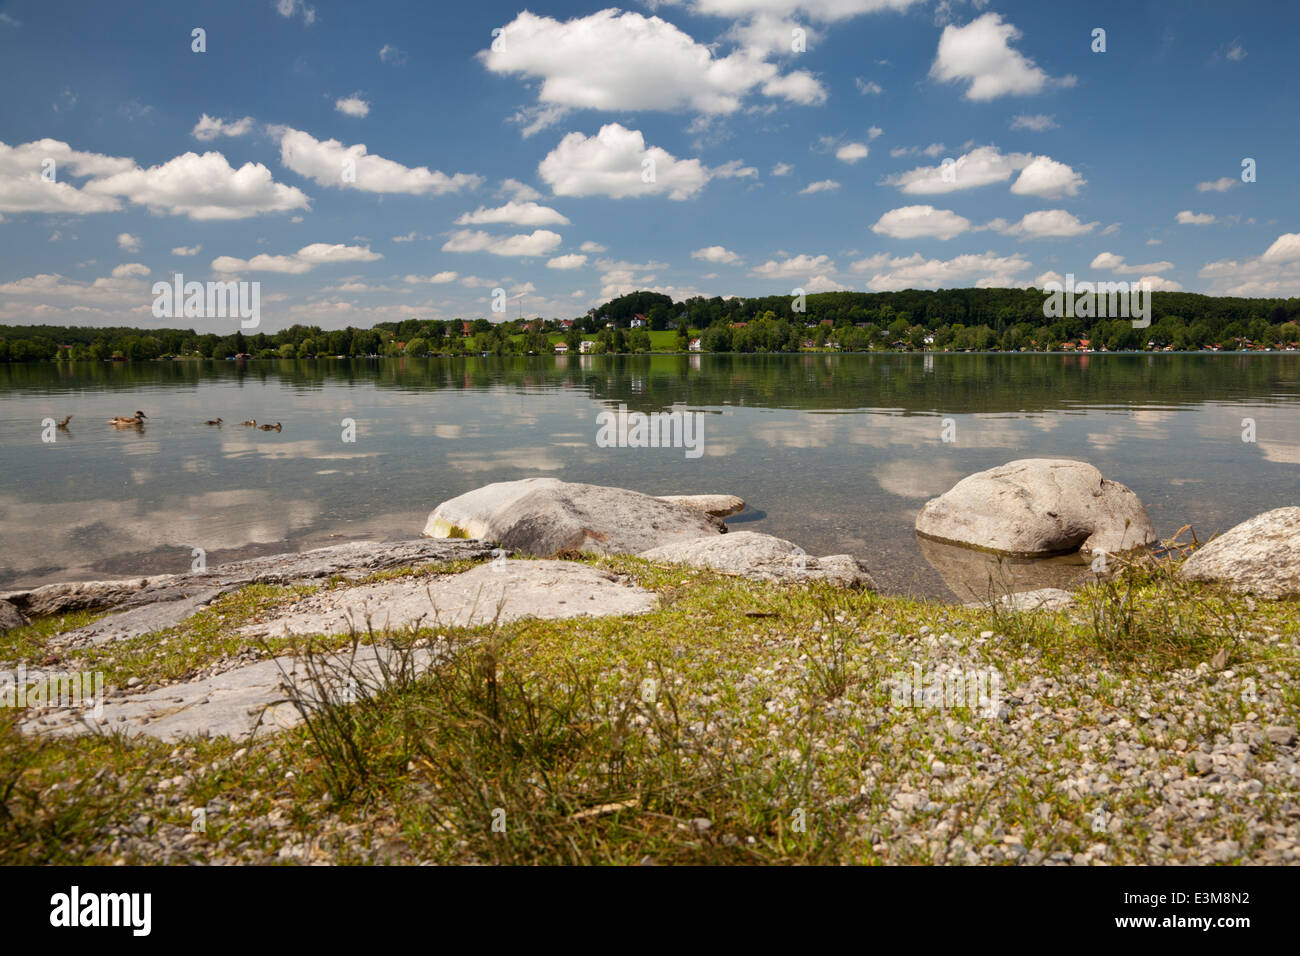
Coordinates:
[1037,507]
[763,556]
[544,516]
[1260,556]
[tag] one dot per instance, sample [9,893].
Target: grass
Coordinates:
[739,722]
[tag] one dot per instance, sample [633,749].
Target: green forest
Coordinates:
[985,320]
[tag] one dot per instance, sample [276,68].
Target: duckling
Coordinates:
[217,422]
[252,422]
[270,428]
[64,423]
[122,421]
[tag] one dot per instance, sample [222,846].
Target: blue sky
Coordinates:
[370,162]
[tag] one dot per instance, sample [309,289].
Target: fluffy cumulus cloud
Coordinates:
[202,187]
[1189,218]
[208,129]
[852,152]
[572,260]
[34,177]
[615,61]
[1113,263]
[1040,176]
[617,163]
[515,214]
[304,260]
[1046,224]
[980,54]
[330,163]
[921,222]
[352,106]
[983,270]
[821,186]
[794,267]
[718,254]
[438,278]
[540,242]
[128,242]
[186,250]
[1275,272]
[1220,185]
[1037,122]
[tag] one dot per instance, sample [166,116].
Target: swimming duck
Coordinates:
[64,423]
[270,428]
[251,421]
[123,422]
[217,422]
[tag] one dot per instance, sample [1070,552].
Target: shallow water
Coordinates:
[835,452]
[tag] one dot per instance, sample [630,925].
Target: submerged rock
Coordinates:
[1038,507]
[974,575]
[1260,556]
[545,516]
[763,556]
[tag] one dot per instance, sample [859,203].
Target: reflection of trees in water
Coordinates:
[911,382]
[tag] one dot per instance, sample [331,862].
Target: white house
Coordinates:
[561,349]
[695,345]
[585,346]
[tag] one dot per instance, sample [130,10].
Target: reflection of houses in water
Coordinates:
[928,364]
[695,363]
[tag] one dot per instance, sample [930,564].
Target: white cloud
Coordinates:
[821,186]
[440,278]
[1038,122]
[981,53]
[186,250]
[1113,263]
[794,267]
[411,236]
[1220,185]
[203,187]
[615,163]
[1039,175]
[1158,284]
[1236,51]
[734,169]
[327,163]
[1275,273]
[570,261]
[824,11]
[852,152]
[208,129]
[391,54]
[287,8]
[1047,179]
[514,189]
[352,106]
[868,87]
[1189,218]
[128,242]
[1049,223]
[617,61]
[719,254]
[24,189]
[782,169]
[515,214]
[986,270]
[129,269]
[304,260]
[917,222]
[537,243]
[592,247]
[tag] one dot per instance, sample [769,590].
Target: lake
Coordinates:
[835,452]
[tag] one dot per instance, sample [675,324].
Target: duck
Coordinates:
[270,428]
[122,421]
[251,422]
[64,423]
[216,422]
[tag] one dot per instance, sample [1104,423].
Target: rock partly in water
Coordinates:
[720,506]
[503,590]
[983,576]
[1036,507]
[1260,556]
[545,516]
[11,617]
[763,556]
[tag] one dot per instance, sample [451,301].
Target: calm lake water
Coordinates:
[835,452]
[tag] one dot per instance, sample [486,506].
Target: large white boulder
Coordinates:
[1038,506]
[1259,556]
[543,516]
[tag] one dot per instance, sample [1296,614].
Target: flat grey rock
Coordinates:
[1042,599]
[720,506]
[1038,506]
[544,516]
[355,558]
[138,621]
[1260,556]
[762,556]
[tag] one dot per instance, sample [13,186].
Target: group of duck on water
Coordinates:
[137,421]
